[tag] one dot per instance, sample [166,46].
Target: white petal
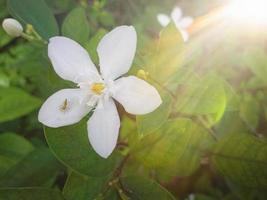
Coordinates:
[176,13]
[116,52]
[185,22]
[137,96]
[185,34]
[163,19]
[103,128]
[65,107]
[70,60]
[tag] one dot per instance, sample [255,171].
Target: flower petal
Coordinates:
[137,96]
[70,60]
[65,107]
[185,22]
[163,19]
[185,34]
[103,128]
[176,13]
[116,52]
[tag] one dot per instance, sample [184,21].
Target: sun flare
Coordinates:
[247,11]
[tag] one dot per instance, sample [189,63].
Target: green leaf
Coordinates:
[255,59]
[112,194]
[140,188]
[36,13]
[60,6]
[4,79]
[71,146]
[106,19]
[175,149]
[93,43]
[12,149]
[5,38]
[167,54]
[75,25]
[153,121]
[231,123]
[36,169]
[204,97]
[83,187]
[183,76]
[128,132]
[15,103]
[30,194]
[250,111]
[242,158]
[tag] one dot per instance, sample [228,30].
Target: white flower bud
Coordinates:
[12,27]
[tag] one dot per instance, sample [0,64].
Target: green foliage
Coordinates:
[30,194]
[75,25]
[15,103]
[255,59]
[141,188]
[167,54]
[204,96]
[36,13]
[13,148]
[152,121]
[92,44]
[71,146]
[83,187]
[175,149]
[242,159]
[250,111]
[38,168]
[60,6]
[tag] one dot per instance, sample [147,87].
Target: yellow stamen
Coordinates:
[98,88]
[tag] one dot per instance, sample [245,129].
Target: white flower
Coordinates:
[12,27]
[71,62]
[181,23]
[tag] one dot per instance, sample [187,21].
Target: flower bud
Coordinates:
[12,27]
[142,74]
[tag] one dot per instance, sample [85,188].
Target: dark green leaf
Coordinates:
[12,149]
[60,6]
[30,194]
[36,169]
[140,188]
[83,187]
[71,146]
[36,13]
[243,159]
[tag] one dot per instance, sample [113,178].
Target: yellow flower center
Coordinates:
[98,88]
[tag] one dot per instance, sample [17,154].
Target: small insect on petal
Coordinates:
[12,27]
[64,106]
